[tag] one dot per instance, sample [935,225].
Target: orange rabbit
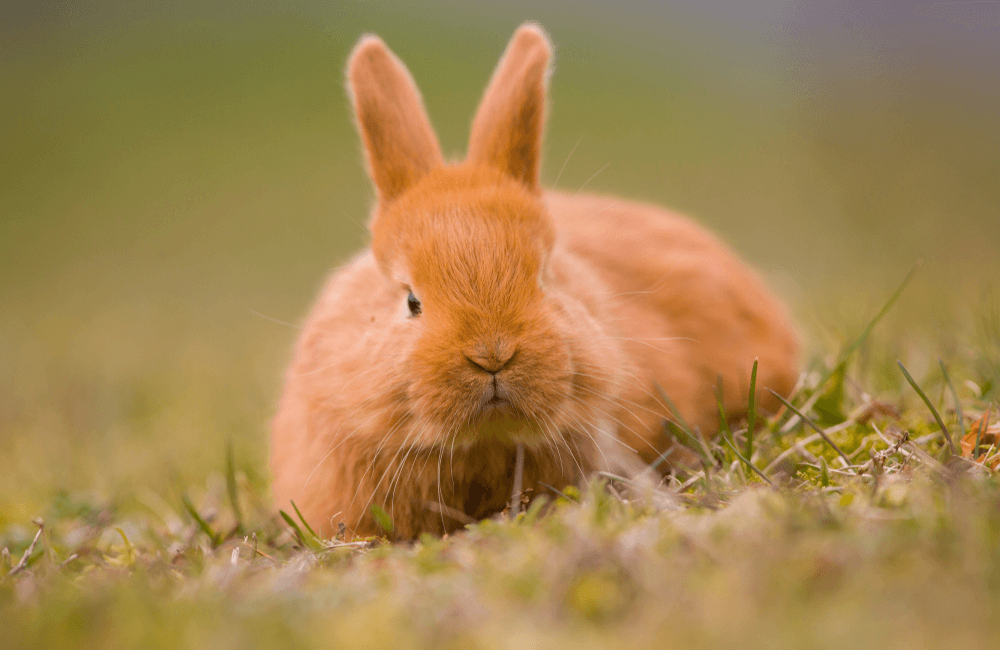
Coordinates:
[490,313]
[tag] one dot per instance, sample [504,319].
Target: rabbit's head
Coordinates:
[489,342]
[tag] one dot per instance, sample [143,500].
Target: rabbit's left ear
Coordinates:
[507,130]
[399,142]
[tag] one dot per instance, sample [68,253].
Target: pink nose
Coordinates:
[491,359]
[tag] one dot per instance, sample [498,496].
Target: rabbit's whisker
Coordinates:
[333,445]
[375,457]
[385,472]
[565,162]
[594,175]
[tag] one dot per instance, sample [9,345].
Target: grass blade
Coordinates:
[927,401]
[535,509]
[304,522]
[751,411]
[673,408]
[559,492]
[382,518]
[694,443]
[723,420]
[846,354]
[294,526]
[212,535]
[662,457]
[954,397]
[727,434]
[698,446]
[307,542]
[747,462]
[234,500]
[815,426]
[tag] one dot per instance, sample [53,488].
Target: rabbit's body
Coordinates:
[490,314]
[687,311]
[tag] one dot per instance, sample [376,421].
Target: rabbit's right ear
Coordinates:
[400,144]
[507,129]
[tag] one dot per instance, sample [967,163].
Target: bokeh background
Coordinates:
[176,179]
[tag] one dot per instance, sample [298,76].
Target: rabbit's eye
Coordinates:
[413,304]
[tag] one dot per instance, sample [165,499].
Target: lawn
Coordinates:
[861,525]
[176,183]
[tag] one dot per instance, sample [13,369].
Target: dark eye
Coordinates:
[413,304]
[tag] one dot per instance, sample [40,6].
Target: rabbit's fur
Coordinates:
[569,312]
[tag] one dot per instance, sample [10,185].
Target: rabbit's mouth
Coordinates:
[496,401]
[498,413]
[496,406]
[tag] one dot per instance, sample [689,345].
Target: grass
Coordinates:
[868,528]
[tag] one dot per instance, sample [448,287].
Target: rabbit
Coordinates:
[491,317]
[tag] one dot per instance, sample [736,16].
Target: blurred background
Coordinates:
[176,179]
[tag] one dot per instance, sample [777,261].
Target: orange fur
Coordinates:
[545,320]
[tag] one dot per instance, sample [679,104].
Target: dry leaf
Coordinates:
[989,440]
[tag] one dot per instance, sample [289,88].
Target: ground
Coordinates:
[874,530]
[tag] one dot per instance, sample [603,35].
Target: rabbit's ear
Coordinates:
[399,142]
[507,131]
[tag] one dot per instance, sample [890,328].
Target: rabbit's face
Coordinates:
[487,349]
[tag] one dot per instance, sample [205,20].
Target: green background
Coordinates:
[176,180]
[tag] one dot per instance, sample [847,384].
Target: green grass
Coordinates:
[873,530]
[173,188]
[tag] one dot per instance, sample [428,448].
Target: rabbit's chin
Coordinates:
[502,427]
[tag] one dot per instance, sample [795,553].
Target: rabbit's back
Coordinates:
[686,309]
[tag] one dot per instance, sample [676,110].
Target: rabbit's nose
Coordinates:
[492,359]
